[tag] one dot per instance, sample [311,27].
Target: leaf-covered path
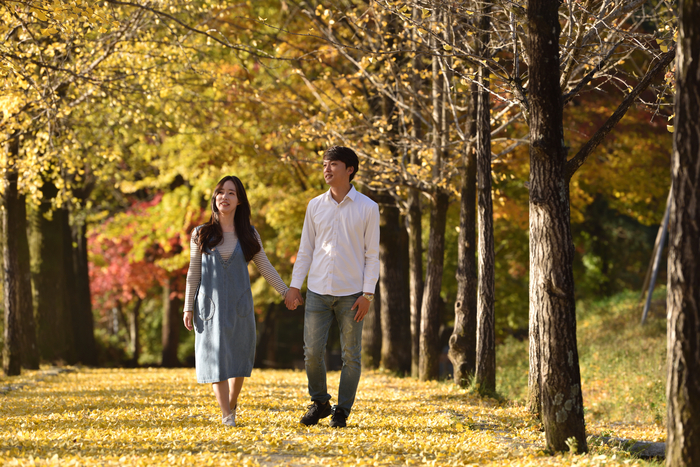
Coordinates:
[163,417]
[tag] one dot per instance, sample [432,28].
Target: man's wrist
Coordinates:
[368,296]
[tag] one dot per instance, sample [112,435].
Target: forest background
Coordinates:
[119,118]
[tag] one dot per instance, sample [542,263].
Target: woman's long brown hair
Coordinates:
[211,234]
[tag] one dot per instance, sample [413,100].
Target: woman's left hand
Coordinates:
[187,319]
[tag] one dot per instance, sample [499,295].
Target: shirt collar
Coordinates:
[352,194]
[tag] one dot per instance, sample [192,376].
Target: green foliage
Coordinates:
[613,251]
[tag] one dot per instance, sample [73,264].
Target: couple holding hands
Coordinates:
[339,251]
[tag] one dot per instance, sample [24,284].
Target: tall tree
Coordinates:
[551,245]
[413,209]
[430,309]
[12,337]
[52,273]
[83,321]
[462,351]
[683,384]
[485,376]
[393,273]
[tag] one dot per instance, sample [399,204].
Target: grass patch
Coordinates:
[623,364]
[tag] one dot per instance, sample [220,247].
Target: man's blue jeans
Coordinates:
[318,316]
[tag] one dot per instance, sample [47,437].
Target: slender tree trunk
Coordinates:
[77,294]
[134,325]
[551,245]
[430,309]
[683,384]
[414,217]
[485,376]
[49,260]
[12,337]
[170,333]
[393,273]
[463,340]
[415,256]
[372,331]
[85,326]
[30,350]
[430,318]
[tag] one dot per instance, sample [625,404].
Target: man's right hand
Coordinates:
[293,298]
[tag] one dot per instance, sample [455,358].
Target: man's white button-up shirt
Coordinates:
[339,246]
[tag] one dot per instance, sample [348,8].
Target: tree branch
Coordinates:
[587,79]
[577,161]
[225,42]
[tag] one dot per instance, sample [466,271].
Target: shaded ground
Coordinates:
[162,417]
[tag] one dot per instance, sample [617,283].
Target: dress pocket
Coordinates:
[244,306]
[205,307]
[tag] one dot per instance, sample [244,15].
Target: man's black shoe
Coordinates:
[317,411]
[338,420]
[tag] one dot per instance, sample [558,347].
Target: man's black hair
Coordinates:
[345,155]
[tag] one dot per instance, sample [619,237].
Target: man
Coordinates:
[339,250]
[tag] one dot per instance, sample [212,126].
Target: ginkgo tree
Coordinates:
[80,86]
[596,41]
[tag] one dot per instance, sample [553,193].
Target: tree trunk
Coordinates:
[372,331]
[551,245]
[430,317]
[414,214]
[78,296]
[683,384]
[485,375]
[415,261]
[534,385]
[170,333]
[85,328]
[463,340]
[12,337]
[30,350]
[134,325]
[48,251]
[430,309]
[393,273]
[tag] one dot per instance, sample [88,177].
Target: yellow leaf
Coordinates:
[40,15]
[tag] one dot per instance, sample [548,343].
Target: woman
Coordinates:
[218,300]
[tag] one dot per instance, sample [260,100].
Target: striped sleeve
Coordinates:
[267,270]
[194,273]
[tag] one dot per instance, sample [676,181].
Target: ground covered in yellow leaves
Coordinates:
[163,417]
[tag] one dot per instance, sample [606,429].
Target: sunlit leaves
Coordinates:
[162,417]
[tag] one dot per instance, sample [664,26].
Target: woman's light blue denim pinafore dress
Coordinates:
[224,320]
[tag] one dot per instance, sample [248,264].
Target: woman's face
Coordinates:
[227,198]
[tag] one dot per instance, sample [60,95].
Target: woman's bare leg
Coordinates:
[234,386]
[221,391]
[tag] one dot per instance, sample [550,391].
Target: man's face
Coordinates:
[336,173]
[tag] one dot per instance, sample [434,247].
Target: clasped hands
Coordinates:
[293,300]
